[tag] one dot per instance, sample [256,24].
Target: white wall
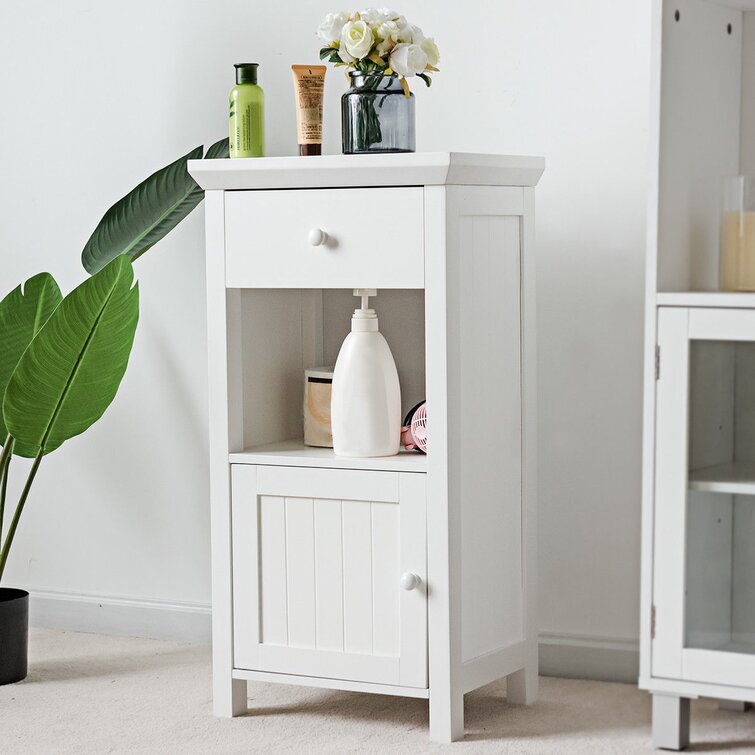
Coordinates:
[96,96]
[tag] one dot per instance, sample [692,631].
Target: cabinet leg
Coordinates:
[737,706]
[229,697]
[446,716]
[521,686]
[670,721]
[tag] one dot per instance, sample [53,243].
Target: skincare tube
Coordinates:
[309,82]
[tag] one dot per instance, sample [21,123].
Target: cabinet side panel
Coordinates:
[443,525]
[225,433]
[651,278]
[700,121]
[484,301]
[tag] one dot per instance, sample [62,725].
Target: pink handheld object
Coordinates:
[414,431]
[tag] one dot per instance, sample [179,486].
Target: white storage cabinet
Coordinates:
[698,528]
[407,575]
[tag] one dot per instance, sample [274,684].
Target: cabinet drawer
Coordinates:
[375,238]
[318,561]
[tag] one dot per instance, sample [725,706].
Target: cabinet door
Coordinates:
[319,557]
[704,539]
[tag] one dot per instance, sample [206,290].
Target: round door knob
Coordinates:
[409,581]
[318,237]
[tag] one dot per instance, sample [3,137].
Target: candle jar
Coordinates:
[737,251]
[318,384]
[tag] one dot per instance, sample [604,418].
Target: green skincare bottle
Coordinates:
[247,113]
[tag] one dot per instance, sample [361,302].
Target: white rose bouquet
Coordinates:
[378,42]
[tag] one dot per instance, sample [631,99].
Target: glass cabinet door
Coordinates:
[704,545]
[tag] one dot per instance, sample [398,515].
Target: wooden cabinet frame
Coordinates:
[476,331]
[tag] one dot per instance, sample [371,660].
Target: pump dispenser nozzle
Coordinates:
[364,318]
[365,293]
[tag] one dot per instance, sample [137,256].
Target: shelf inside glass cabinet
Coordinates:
[736,477]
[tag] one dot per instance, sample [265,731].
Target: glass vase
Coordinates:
[376,115]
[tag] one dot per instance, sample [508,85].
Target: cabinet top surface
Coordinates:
[405,169]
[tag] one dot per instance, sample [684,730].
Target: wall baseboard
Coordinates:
[582,657]
[160,620]
[564,655]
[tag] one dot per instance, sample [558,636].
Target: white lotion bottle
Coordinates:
[365,407]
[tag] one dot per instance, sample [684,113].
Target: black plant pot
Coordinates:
[14,634]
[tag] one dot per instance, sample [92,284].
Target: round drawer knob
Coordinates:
[318,237]
[409,581]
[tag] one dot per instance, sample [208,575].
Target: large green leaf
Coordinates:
[149,212]
[22,313]
[70,373]
[219,149]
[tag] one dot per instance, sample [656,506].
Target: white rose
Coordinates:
[408,60]
[387,30]
[375,16]
[331,26]
[369,15]
[404,30]
[357,39]
[407,32]
[384,47]
[431,50]
[344,56]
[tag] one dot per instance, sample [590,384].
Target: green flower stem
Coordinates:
[5,457]
[17,514]
[368,131]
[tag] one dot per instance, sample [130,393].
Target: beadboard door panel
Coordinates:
[268,243]
[317,578]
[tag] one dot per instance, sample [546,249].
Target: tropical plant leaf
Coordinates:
[146,214]
[22,313]
[219,149]
[70,373]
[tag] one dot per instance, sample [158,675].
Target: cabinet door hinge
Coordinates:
[657,362]
[652,622]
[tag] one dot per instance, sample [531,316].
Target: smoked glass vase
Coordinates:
[376,116]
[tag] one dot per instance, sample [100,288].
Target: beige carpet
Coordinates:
[93,694]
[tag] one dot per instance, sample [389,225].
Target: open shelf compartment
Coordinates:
[706,119]
[285,331]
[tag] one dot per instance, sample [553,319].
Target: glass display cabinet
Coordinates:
[704,546]
[697,635]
